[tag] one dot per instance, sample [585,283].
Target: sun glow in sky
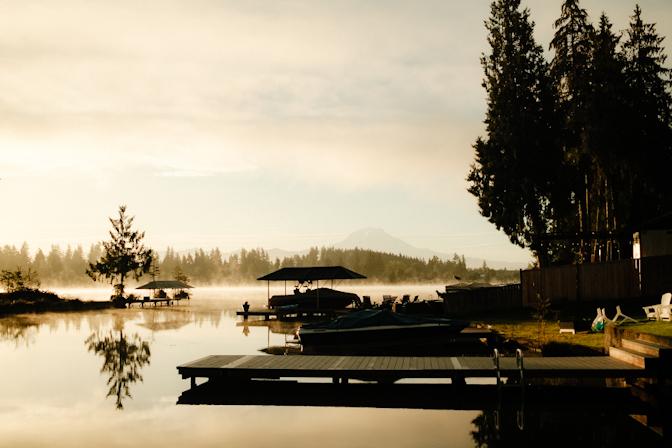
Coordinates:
[251,123]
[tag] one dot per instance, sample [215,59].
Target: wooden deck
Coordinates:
[166,301]
[391,368]
[292,313]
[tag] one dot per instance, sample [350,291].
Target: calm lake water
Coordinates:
[61,383]
[53,392]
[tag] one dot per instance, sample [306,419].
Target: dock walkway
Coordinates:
[293,313]
[166,300]
[392,368]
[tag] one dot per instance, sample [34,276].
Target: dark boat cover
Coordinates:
[376,318]
[164,284]
[312,273]
[327,298]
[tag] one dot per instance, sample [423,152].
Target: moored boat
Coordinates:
[381,327]
[324,298]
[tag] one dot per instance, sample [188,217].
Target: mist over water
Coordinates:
[61,383]
[231,297]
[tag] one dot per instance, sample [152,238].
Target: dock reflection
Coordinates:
[542,416]
[408,395]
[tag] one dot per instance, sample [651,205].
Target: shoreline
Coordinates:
[36,301]
[64,305]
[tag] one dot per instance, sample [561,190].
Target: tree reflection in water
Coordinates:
[19,329]
[124,356]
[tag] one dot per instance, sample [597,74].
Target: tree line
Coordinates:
[211,267]
[577,150]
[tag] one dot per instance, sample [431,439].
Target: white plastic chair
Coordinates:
[659,311]
[619,315]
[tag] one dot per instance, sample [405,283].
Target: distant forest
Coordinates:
[67,267]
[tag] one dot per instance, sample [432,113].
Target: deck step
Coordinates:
[631,357]
[644,347]
[646,421]
[646,337]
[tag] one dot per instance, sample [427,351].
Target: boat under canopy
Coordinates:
[328,299]
[304,296]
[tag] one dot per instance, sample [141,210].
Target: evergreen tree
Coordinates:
[40,264]
[55,264]
[649,111]
[570,72]
[605,140]
[512,191]
[123,255]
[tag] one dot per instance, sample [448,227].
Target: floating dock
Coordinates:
[166,301]
[292,313]
[388,369]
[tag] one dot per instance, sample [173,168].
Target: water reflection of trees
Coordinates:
[18,329]
[123,358]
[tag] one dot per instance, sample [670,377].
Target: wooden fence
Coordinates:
[474,299]
[656,275]
[623,279]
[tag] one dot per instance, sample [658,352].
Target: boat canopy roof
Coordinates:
[165,284]
[312,273]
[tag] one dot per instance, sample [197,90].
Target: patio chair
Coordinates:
[659,311]
[600,320]
[623,317]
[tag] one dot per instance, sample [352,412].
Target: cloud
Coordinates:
[347,94]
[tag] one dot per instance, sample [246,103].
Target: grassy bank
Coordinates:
[522,330]
[33,300]
[652,327]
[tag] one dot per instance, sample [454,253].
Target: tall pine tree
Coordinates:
[649,112]
[512,191]
[570,72]
[605,143]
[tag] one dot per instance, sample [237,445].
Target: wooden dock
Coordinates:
[387,369]
[167,301]
[296,313]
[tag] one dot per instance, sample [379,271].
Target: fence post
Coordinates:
[578,283]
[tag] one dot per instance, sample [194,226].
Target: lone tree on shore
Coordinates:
[123,256]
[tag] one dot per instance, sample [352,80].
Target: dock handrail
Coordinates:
[520,414]
[519,364]
[495,359]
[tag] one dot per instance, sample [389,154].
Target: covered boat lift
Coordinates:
[309,274]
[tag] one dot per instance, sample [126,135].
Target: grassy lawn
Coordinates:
[529,333]
[525,329]
[521,327]
[657,328]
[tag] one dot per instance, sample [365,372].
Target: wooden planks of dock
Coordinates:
[293,313]
[142,302]
[392,368]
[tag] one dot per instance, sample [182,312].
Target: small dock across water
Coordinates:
[167,301]
[386,369]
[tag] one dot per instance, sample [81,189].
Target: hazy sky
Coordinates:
[251,123]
